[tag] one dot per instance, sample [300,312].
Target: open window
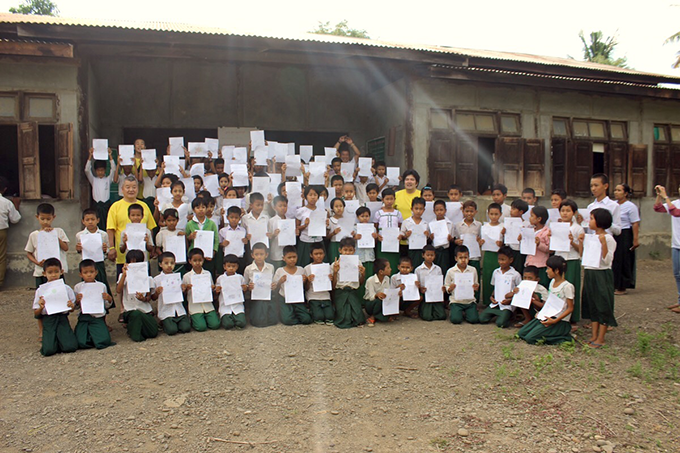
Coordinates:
[666,153]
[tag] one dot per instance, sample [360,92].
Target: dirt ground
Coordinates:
[407,386]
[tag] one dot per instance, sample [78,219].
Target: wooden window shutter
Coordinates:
[29,161]
[64,160]
[579,168]
[440,160]
[509,158]
[617,168]
[661,163]
[534,165]
[637,169]
[559,163]
[674,169]
[466,165]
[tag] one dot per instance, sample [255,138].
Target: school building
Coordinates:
[464,116]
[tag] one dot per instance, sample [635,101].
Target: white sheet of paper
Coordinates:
[280,152]
[149,159]
[347,171]
[101,149]
[522,299]
[365,166]
[286,229]
[197,170]
[274,181]
[201,289]
[177,246]
[261,185]
[454,211]
[236,245]
[330,153]
[585,213]
[410,291]
[553,215]
[135,233]
[331,196]
[294,289]
[127,154]
[291,148]
[137,279]
[390,240]
[172,165]
[351,207]
[294,192]
[228,203]
[306,152]
[258,233]
[417,240]
[429,215]
[366,231]
[92,247]
[197,149]
[56,297]
[172,288]
[239,173]
[553,306]
[92,302]
[559,237]
[374,206]
[232,292]
[512,225]
[349,268]
[256,139]
[205,240]
[390,304]
[227,153]
[527,245]
[491,234]
[441,232]
[212,145]
[293,165]
[470,241]
[163,195]
[176,146]
[263,286]
[393,175]
[189,191]
[433,288]
[212,185]
[503,286]
[463,289]
[346,225]
[261,155]
[316,172]
[527,215]
[317,223]
[592,251]
[322,281]
[240,155]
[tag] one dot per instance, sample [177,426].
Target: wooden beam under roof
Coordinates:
[36,48]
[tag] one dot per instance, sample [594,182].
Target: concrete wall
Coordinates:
[388,108]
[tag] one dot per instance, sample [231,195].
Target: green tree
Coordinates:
[600,49]
[340,29]
[675,38]
[38,7]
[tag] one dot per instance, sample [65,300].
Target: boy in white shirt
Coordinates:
[320,303]
[429,311]
[173,316]
[101,185]
[263,313]
[276,250]
[45,215]
[232,308]
[203,315]
[136,309]
[291,313]
[91,330]
[459,308]
[509,278]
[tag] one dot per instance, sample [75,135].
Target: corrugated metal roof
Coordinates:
[174,27]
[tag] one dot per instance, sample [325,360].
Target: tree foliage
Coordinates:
[340,29]
[600,50]
[675,38]
[38,7]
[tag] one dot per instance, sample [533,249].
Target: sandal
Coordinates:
[120,318]
[370,321]
[676,309]
[520,324]
[594,345]
[620,293]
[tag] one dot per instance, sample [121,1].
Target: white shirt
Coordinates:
[252,268]
[77,289]
[564,291]
[310,294]
[275,250]
[576,232]
[102,233]
[505,212]
[675,222]
[249,219]
[606,261]
[202,307]
[130,301]
[423,272]
[32,247]
[40,292]
[8,213]
[375,286]
[409,224]
[450,279]
[302,215]
[629,214]
[231,308]
[100,186]
[516,279]
[280,272]
[388,219]
[167,310]
[613,207]
[149,186]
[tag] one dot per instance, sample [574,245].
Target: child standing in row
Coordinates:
[506,277]
[429,311]
[137,312]
[348,309]
[461,308]
[91,330]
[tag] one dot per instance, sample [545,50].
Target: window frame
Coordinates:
[17,107]
[26,105]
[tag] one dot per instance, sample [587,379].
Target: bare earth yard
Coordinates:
[407,386]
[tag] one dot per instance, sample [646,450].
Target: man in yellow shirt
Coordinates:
[404,197]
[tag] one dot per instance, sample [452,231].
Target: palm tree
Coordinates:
[600,50]
[674,38]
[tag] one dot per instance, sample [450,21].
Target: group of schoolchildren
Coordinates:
[245,253]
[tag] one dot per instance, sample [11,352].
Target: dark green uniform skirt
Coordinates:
[441,259]
[503,317]
[391,257]
[304,250]
[598,296]
[176,324]
[92,332]
[374,309]
[416,257]
[431,311]
[518,261]
[476,265]
[264,313]
[102,208]
[489,265]
[292,314]
[458,312]
[57,335]
[140,325]
[231,320]
[573,276]
[348,311]
[534,331]
[333,251]
[322,310]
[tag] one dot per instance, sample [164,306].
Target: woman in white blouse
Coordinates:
[627,241]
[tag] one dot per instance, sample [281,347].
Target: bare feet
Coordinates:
[370,321]
[676,309]
[670,307]
[620,292]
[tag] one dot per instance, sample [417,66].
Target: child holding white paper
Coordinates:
[91,330]
[410,308]
[320,303]
[538,298]
[56,333]
[554,329]
[490,260]
[505,277]
[290,313]
[171,219]
[136,309]
[256,217]
[539,219]
[45,215]
[201,222]
[442,251]
[429,311]
[499,193]
[416,224]
[334,228]
[173,316]
[518,209]
[90,221]
[375,292]
[203,315]
[147,183]
[348,309]
[232,312]
[178,202]
[380,177]
[136,215]
[461,308]
[302,219]
[387,217]
[473,229]
[366,255]
[263,313]
[276,250]
[95,172]
[598,281]
[234,231]
[568,210]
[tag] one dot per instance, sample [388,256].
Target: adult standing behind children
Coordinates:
[9,213]
[404,198]
[118,219]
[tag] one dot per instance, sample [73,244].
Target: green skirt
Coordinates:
[534,332]
[476,265]
[348,311]
[391,257]
[102,277]
[573,276]
[543,279]
[304,250]
[489,265]
[598,296]
[518,261]
[441,259]
[374,309]
[333,251]
[416,257]
[433,311]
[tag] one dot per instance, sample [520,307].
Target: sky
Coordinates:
[536,27]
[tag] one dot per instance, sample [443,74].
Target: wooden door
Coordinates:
[29,161]
[64,160]
[661,163]
[534,165]
[637,169]
[617,164]
[674,169]
[579,168]
[559,163]
[509,159]
[466,165]
[440,160]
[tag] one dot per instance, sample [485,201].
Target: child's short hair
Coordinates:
[85,264]
[134,256]
[170,212]
[195,177]
[461,249]
[199,201]
[259,246]
[222,176]
[256,196]
[337,199]
[427,188]
[135,207]
[470,204]
[494,206]
[602,177]
[429,248]
[336,160]
[380,264]
[560,193]
[533,270]
[280,199]
[90,211]
[337,178]
[349,183]
[308,189]
[380,163]
[603,218]
[347,242]
[219,161]
[99,164]
[388,193]
[178,183]
[520,205]
[542,213]
[195,251]
[362,210]
[557,264]
[500,187]
[439,203]
[45,208]
[173,178]
[230,259]
[280,187]
[371,187]
[165,255]
[234,210]
[411,173]
[230,189]
[316,246]
[406,259]
[52,262]
[289,249]
[529,191]
[418,201]
[571,203]
[506,251]
[455,187]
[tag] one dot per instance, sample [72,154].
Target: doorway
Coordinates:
[486,147]
[9,156]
